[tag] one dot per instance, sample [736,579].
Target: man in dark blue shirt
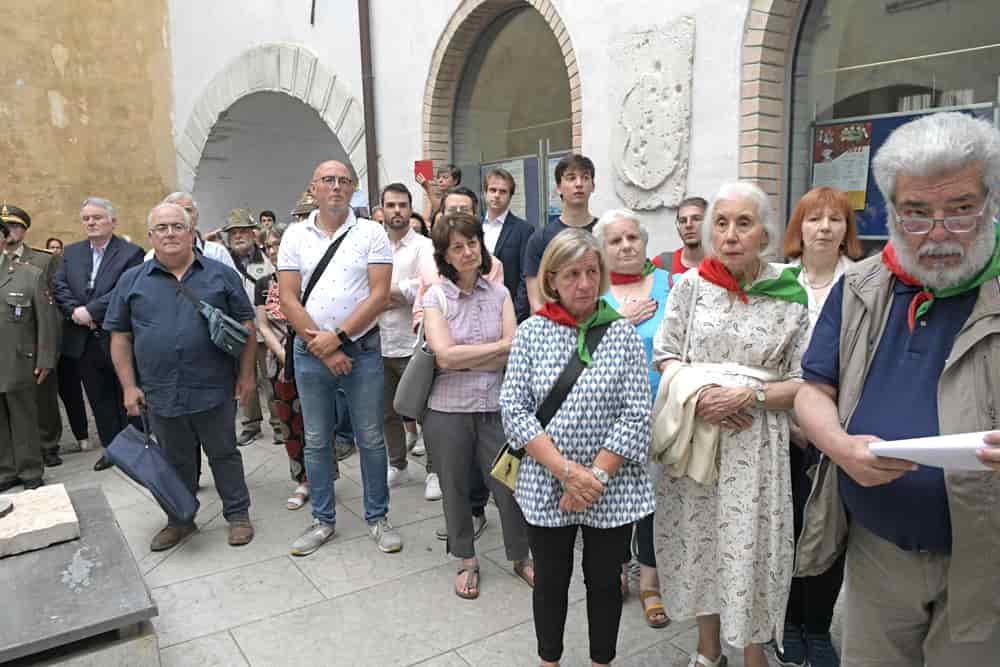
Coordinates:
[188,384]
[906,347]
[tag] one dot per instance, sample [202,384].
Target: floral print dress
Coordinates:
[727,548]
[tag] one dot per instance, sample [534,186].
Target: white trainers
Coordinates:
[432,487]
[85,445]
[385,536]
[397,477]
[417,448]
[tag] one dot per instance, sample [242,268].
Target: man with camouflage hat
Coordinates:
[252,265]
[27,357]
[49,420]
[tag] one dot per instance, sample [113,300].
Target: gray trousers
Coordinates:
[20,453]
[465,443]
[215,429]
[896,609]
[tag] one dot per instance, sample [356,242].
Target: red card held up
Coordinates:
[424,168]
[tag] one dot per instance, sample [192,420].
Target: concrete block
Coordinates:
[41,517]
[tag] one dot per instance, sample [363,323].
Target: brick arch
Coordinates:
[768,48]
[281,68]
[453,49]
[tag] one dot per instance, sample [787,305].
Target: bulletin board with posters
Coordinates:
[524,202]
[553,201]
[842,153]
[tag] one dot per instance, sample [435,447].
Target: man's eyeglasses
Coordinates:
[344,181]
[175,228]
[459,208]
[956,224]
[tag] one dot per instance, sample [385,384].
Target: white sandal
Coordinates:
[298,497]
[698,659]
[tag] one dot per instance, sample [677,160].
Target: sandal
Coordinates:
[298,497]
[520,569]
[653,610]
[471,590]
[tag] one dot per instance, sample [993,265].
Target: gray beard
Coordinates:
[973,260]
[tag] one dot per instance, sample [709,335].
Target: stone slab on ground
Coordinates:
[74,590]
[137,648]
[41,517]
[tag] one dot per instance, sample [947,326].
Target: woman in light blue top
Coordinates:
[639,292]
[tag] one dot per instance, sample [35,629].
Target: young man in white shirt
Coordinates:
[338,346]
[410,253]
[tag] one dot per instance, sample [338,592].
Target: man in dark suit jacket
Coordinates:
[506,236]
[84,282]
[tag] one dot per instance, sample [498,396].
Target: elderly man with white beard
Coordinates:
[908,345]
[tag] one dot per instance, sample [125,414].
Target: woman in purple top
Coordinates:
[469,323]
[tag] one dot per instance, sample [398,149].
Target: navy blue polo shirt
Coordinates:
[899,401]
[180,370]
[539,241]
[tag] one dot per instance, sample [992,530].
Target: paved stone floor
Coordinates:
[347,604]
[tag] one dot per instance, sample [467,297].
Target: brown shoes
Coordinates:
[240,532]
[170,536]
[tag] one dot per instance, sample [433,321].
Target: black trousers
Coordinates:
[552,549]
[103,390]
[811,600]
[71,393]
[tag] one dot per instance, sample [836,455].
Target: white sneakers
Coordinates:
[415,443]
[397,477]
[432,487]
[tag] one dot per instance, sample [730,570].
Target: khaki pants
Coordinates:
[251,415]
[896,609]
[392,422]
[20,453]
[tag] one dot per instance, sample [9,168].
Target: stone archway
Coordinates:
[768,46]
[455,46]
[282,68]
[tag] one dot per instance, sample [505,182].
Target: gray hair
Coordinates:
[175,197]
[765,214]
[277,230]
[168,206]
[99,202]
[614,215]
[938,142]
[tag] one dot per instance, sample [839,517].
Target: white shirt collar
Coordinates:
[350,222]
[500,219]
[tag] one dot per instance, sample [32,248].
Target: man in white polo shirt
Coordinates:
[337,346]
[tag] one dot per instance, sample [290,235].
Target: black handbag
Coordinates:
[226,333]
[508,461]
[289,369]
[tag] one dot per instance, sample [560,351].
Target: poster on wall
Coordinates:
[841,156]
[516,168]
[554,204]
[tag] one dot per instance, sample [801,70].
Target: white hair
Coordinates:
[938,142]
[170,207]
[614,215]
[99,202]
[175,197]
[743,190]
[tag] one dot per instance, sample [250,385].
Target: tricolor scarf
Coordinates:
[602,315]
[922,301]
[785,287]
[629,278]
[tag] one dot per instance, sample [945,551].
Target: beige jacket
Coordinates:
[683,444]
[968,400]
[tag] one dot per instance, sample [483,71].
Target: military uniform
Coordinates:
[252,269]
[49,418]
[29,331]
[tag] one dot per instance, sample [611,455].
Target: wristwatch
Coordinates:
[602,476]
[761,397]
[342,335]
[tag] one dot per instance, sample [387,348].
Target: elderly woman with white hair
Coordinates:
[639,293]
[742,323]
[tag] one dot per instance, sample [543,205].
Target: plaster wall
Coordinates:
[84,110]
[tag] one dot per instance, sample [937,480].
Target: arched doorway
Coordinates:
[259,155]
[504,90]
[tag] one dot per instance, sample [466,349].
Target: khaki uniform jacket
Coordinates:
[49,265]
[968,401]
[29,326]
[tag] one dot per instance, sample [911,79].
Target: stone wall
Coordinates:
[85,107]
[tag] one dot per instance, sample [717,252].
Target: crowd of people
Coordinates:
[707,411]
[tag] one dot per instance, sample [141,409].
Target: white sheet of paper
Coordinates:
[951,452]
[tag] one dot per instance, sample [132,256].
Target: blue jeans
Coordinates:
[318,396]
[345,432]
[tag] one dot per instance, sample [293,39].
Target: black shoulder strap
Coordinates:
[190,295]
[564,383]
[321,267]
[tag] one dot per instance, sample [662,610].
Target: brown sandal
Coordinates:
[519,570]
[471,583]
[654,610]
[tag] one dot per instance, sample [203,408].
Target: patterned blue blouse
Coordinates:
[607,408]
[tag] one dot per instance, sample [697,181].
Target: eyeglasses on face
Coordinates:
[344,181]
[172,228]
